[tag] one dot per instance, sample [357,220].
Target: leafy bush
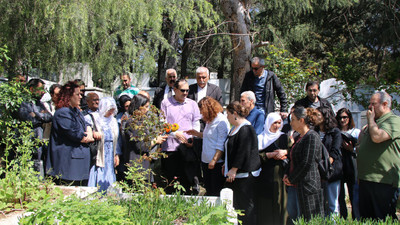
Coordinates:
[292,72]
[176,209]
[140,209]
[20,184]
[74,210]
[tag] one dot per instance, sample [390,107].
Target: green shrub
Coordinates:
[140,209]
[176,209]
[19,184]
[342,221]
[74,210]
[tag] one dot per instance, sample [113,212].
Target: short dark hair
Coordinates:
[183,80]
[312,83]
[80,82]
[53,87]
[34,82]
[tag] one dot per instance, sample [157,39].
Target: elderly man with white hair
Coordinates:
[166,90]
[256,117]
[378,160]
[202,88]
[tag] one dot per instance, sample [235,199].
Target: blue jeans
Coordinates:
[332,191]
[292,204]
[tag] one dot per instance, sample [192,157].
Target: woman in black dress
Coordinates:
[270,190]
[242,163]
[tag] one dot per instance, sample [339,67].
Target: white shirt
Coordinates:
[214,136]
[201,92]
[167,90]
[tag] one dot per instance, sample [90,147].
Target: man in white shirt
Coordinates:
[202,88]
[166,90]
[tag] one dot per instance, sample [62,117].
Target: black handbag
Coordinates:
[188,153]
[93,146]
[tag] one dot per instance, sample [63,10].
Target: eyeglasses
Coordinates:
[184,90]
[343,117]
[96,100]
[255,68]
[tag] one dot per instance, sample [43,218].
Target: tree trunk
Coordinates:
[221,67]
[161,62]
[185,53]
[238,13]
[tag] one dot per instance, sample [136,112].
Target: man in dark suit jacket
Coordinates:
[202,88]
[166,90]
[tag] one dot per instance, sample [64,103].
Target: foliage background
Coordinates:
[357,41]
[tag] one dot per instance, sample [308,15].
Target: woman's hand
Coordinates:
[116,160]
[194,133]
[87,139]
[348,146]
[211,165]
[331,160]
[281,154]
[96,135]
[161,139]
[231,175]
[286,180]
[271,155]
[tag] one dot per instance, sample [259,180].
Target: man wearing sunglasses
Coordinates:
[183,111]
[265,84]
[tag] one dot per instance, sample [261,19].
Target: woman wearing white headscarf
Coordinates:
[102,172]
[270,189]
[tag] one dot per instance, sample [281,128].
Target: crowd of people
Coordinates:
[269,157]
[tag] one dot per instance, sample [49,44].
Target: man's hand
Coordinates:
[179,135]
[371,113]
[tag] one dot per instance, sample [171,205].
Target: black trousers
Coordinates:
[377,200]
[213,179]
[243,198]
[175,168]
[355,214]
